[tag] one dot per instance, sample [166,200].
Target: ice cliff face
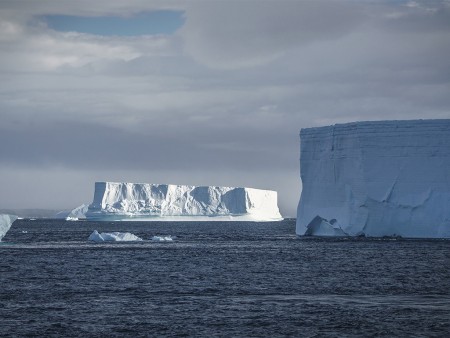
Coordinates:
[176,202]
[5,224]
[384,178]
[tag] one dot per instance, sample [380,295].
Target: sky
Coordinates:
[201,92]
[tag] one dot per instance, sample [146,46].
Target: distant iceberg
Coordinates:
[73,215]
[383,178]
[5,224]
[113,237]
[168,202]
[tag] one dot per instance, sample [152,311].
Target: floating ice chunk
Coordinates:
[5,224]
[113,237]
[321,227]
[68,218]
[162,238]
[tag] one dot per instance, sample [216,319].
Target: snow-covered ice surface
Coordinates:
[113,237]
[381,178]
[5,224]
[167,202]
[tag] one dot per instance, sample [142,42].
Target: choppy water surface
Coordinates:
[218,279]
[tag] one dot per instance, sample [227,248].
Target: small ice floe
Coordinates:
[68,218]
[24,231]
[113,237]
[162,238]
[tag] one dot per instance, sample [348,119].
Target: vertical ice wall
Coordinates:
[381,178]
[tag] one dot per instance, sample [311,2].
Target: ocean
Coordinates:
[218,279]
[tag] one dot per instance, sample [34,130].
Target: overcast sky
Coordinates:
[201,92]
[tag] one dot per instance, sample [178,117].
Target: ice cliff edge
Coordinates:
[380,178]
[142,201]
[5,224]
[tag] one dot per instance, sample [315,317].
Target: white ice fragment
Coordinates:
[5,224]
[73,215]
[379,178]
[162,238]
[168,202]
[113,237]
[321,227]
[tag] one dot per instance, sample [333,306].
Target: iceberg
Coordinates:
[113,237]
[5,224]
[378,178]
[168,202]
[73,215]
[162,238]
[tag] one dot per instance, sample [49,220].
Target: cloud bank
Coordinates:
[220,101]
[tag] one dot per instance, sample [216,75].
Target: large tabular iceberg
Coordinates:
[384,178]
[141,201]
[5,224]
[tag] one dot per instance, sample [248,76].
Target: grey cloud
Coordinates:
[211,109]
[86,146]
[237,34]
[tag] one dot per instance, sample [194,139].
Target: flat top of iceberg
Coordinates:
[186,186]
[445,123]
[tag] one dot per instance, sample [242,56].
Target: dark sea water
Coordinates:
[219,279]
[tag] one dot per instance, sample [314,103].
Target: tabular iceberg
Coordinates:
[5,224]
[163,202]
[381,178]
